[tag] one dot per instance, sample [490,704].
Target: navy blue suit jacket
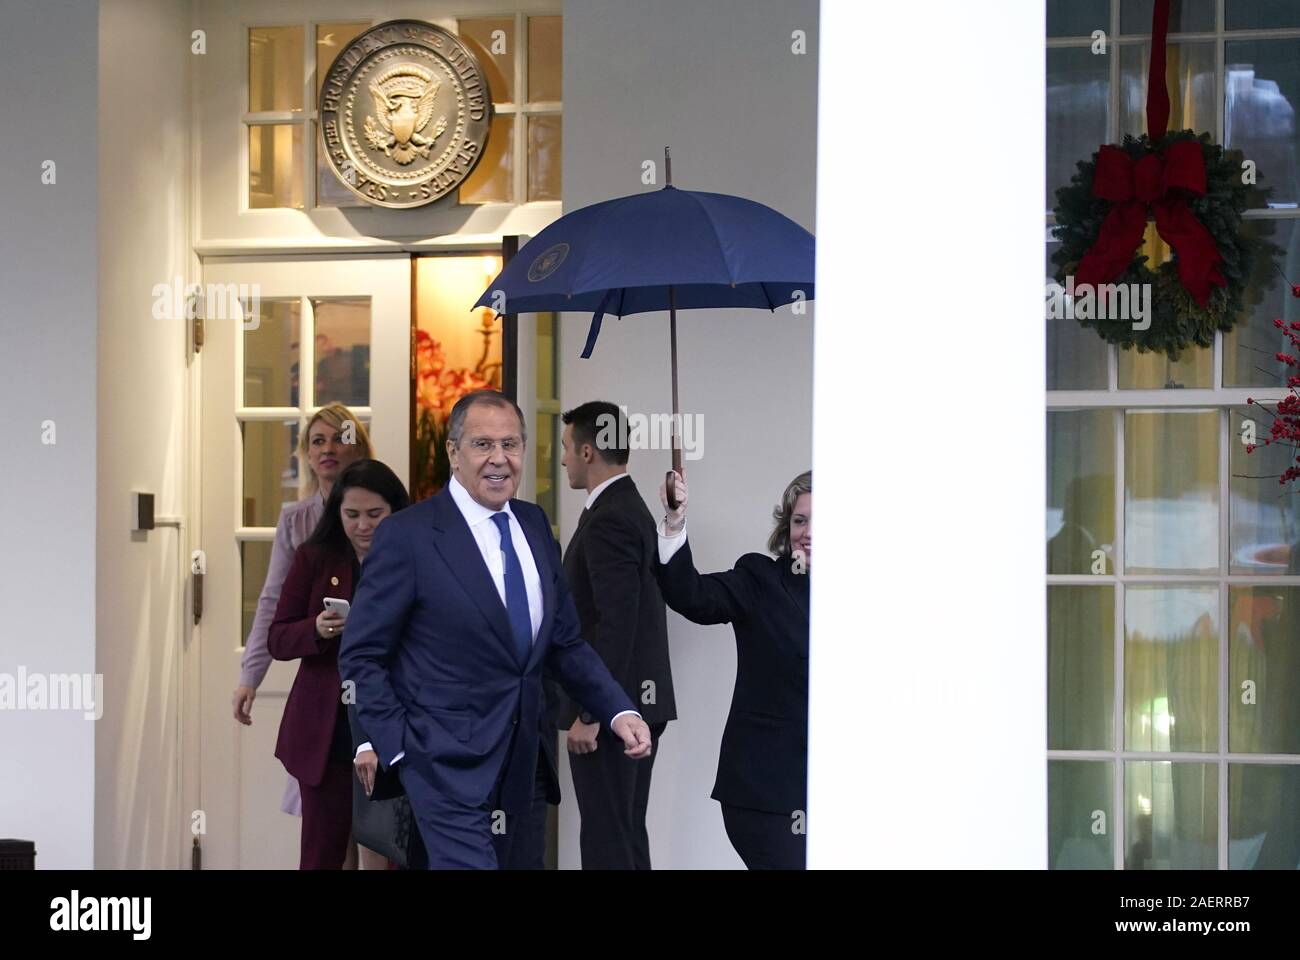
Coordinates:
[429,647]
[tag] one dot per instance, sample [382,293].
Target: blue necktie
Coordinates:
[521,623]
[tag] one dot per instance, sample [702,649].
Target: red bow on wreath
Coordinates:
[1159,183]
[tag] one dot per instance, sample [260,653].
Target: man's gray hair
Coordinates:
[494,398]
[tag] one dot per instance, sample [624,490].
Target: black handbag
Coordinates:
[383,822]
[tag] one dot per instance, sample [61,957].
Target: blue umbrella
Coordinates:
[666,249]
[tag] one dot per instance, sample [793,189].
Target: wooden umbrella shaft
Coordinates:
[677,446]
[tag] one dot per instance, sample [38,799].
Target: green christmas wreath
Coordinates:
[1176,320]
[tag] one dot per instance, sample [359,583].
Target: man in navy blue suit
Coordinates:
[462,603]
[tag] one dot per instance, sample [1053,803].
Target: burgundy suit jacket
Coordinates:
[307,727]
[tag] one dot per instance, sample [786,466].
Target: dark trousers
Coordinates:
[483,837]
[765,841]
[613,793]
[327,819]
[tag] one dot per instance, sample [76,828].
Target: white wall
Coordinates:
[717,82]
[48,63]
[142,416]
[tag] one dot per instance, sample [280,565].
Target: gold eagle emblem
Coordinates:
[403,100]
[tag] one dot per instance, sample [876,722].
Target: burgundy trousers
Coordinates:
[327,818]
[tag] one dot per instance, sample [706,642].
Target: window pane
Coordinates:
[270,470]
[545,58]
[1077,18]
[1150,370]
[1155,371]
[1171,492]
[330,191]
[544,154]
[275,165]
[1078,106]
[1171,669]
[254,558]
[342,351]
[274,68]
[1261,93]
[1185,16]
[1189,76]
[1080,667]
[331,40]
[1076,357]
[496,55]
[1080,815]
[1080,491]
[545,445]
[1264,669]
[1264,523]
[1249,349]
[1171,815]
[1259,14]
[1263,817]
[456,351]
[271,356]
[493,179]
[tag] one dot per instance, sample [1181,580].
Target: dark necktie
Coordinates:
[521,624]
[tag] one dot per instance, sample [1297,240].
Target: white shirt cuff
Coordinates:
[364,746]
[620,714]
[669,543]
[393,762]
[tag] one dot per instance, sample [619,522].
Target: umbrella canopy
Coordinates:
[660,250]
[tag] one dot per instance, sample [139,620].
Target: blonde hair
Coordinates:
[779,542]
[337,416]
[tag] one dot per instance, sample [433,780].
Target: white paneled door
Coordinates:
[281,339]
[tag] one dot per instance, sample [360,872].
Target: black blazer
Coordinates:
[763,762]
[610,566]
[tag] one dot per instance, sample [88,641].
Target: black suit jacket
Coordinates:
[610,566]
[763,762]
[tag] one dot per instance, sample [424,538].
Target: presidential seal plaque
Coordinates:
[404,114]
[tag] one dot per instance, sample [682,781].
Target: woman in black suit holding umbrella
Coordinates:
[763,763]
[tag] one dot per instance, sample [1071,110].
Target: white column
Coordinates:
[928,685]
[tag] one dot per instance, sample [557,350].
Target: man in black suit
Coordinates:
[610,567]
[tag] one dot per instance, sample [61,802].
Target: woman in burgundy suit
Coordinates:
[315,743]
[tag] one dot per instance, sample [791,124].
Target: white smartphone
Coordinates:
[341,607]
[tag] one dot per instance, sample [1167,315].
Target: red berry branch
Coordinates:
[1286,419]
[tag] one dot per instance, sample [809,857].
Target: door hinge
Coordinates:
[194,310]
[198,567]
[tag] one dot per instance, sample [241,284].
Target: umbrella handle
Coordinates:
[671,487]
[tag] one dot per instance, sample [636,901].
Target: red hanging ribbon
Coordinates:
[1158,184]
[1157,92]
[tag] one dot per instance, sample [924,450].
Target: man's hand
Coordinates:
[634,733]
[243,703]
[582,736]
[366,765]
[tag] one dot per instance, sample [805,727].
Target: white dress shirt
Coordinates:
[670,543]
[488,537]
